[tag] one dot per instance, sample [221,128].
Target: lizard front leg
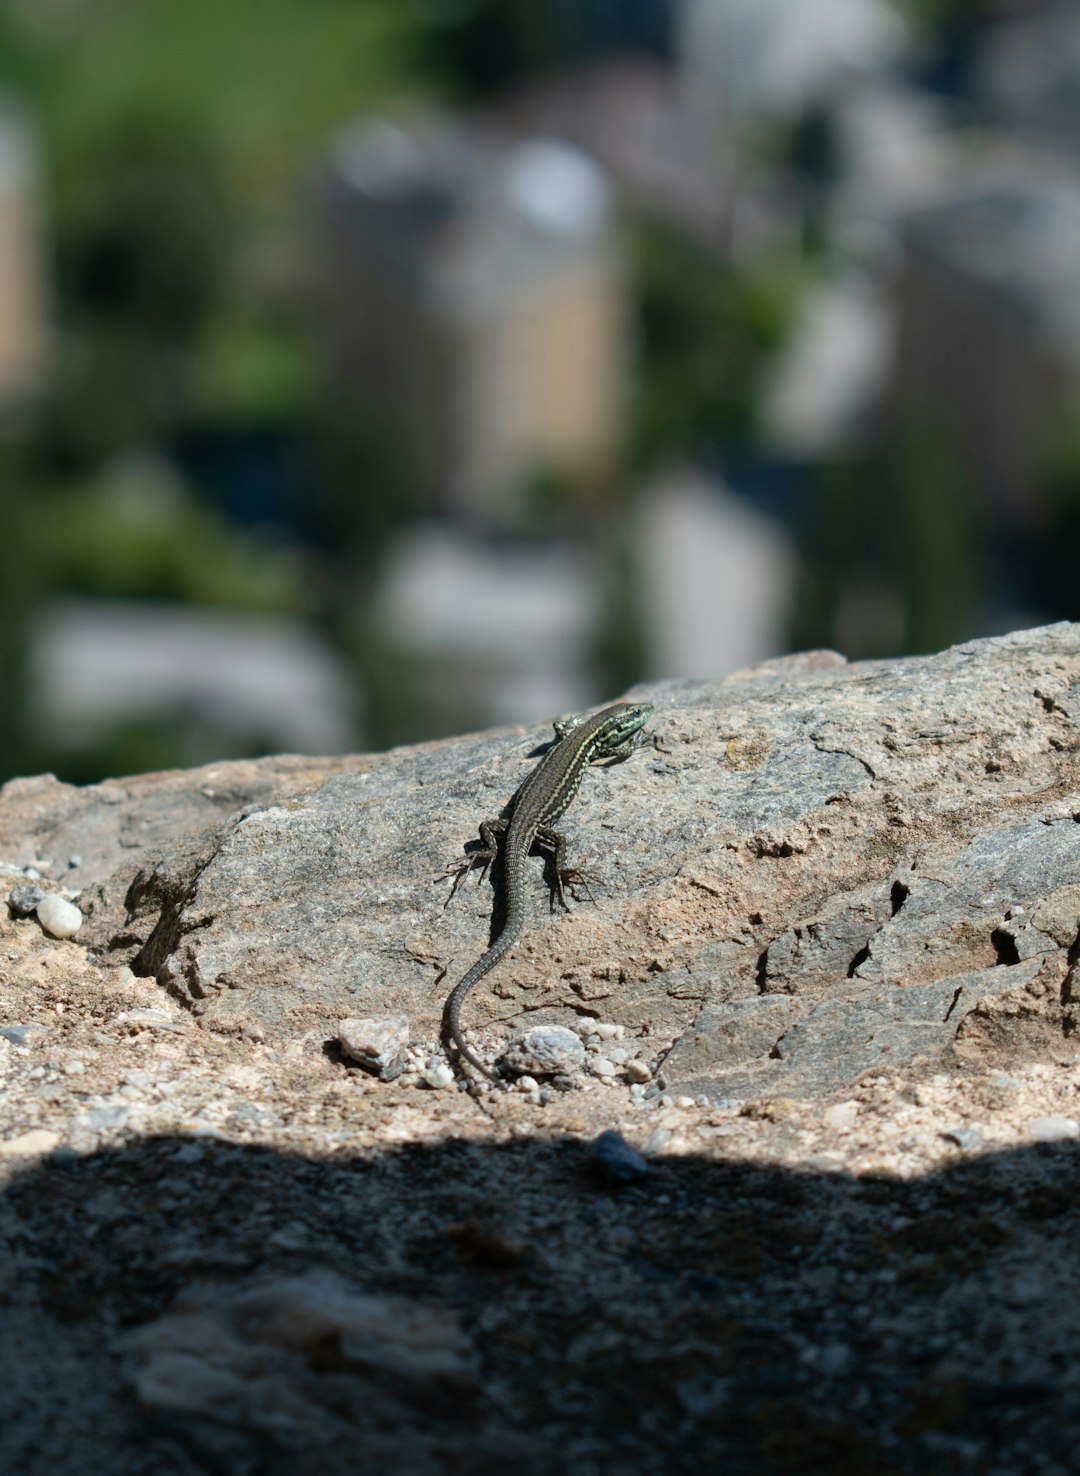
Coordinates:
[484,856]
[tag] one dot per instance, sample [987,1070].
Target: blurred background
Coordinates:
[372,370]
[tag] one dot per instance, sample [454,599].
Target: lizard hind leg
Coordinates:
[554,843]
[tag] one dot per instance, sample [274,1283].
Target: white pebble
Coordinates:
[37,1140]
[685,1102]
[638,1071]
[605,1029]
[841,1116]
[601,1066]
[527,1084]
[439,1077]
[618,1054]
[1053,1129]
[59,918]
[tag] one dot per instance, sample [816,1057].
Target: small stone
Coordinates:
[841,1116]
[618,1054]
[438,1077]
[967,1138]
[59,918]
[19,1034]
[24,898]
[527,1084]
[601,1066]
[605,1029]
[684,1102]
[37,1140]
[546,1050]
[638,1071]
[1053,1129]
[616,1160]
[253,1032]
[1003,1081]
[375,1042]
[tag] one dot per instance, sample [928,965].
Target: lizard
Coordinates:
[608,736]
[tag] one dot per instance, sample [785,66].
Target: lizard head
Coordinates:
[619,725]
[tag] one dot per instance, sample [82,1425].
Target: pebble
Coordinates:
[604,1029]
[37,1140]
[24,898]
[59,918]
[1053,1129]
[375,1042]
[638,1071]
[616,1160]
[1003,1081]
[967,1138]
[841,1116]
[19,1034]
[601,1066]
[685,1102]
[546,1050]
[526,1084]
[438,1077]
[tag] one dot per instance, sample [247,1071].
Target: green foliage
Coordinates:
[709,328]
[255,369]
[939,542]
[1058,537]
[266,79]
[900,526]
[479,46]
[143,239]
[621,646]
[137,539]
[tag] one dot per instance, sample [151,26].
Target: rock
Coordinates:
[601,1066]
[375,1042]
[284,1363]
[967,1138]
[24,898]
[841,1116]
[546,1050]
[638,1071]
[890,878]
[616,1160]
[59,918]
[19,1034]
[1053,1129]
[29,1144]
[438,1077]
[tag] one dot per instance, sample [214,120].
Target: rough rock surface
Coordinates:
[827,998]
